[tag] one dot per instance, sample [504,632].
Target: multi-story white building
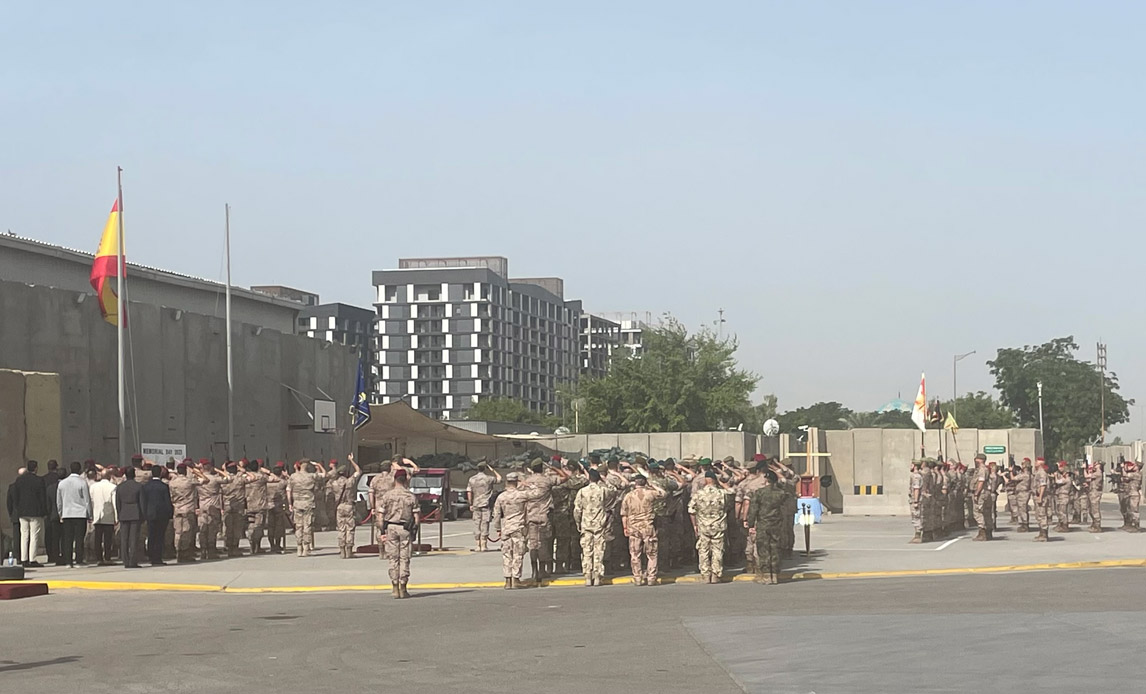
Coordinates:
[453,330]
[599,338]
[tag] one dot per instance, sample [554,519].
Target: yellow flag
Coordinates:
[951,423]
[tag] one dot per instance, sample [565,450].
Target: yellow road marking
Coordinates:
[563,582]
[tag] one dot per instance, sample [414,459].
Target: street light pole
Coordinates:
[1040,387]
[955,382]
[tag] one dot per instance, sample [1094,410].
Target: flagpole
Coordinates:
[120,271]
[230,365]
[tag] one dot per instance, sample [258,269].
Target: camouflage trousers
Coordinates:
[749,545]
[209,521]
[710,552]
[1043,514]
[788,526]
[985,512]
[916,516]
[539,536]
[304,528]
[1090,506]
[185,526]
[344,517]
[643,540]
[512,553]
[481,522]
[381,535]
[954,513]
[1022,507]
[565,538]
[768,550]
[593,553]
[969,507]
[234,525]
[1063,507]
[257,524]
[276,527]
[399,543]
[1130,514]
[321,519]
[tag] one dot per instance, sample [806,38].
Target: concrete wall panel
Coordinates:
[698,444]
[994,437]
[841,466]
[43,428]
[900,446]
[634,443]
[12,440]
[868,456]
[664,445]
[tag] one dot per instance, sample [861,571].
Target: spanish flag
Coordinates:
[106,265]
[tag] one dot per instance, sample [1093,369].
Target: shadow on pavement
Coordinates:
[13,667]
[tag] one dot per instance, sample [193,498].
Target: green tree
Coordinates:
[823,415]
[754,416]
[1072,390]
[895,420]
[681,382]
[503,410]
[980,411]
[862,420]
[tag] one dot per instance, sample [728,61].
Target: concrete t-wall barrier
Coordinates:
[879,460]
[177,379]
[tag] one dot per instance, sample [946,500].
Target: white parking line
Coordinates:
[947,544]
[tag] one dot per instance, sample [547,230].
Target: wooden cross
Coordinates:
[812,452]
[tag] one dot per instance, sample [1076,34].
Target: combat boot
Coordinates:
[917,539]
[588,580]
[1024,528]
[1133,528]
[508,583]
[750,567]
[394,589]
[298,550]
[1095,528]
[1042,536]
[402,590]
[981,537]
[760,577]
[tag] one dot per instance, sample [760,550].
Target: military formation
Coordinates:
[638,516]
[948,497]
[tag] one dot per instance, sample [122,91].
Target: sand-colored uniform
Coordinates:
[303,488]
[210,492]
[709,509]
[185,499]
[480,488]
[276,512]
[638,511]
[1021,493]
[379,485]
[592,509]
[1041,487]
[345,490]
[258,501]
[538,527]
[398,507]
[508,520]
[234,512]
[744,492]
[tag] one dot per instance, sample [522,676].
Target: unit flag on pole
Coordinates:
[361,408]
[919,410]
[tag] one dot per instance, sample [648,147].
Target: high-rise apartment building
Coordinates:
[453,330]
[344,324]
[599,338]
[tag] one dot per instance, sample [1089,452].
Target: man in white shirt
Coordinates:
[75,504]
[103,517]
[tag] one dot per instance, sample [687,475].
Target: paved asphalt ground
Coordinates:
[1057,631]
[841,545]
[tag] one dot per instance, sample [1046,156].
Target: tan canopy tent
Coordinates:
[398,421]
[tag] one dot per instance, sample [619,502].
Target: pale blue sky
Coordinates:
[867,188]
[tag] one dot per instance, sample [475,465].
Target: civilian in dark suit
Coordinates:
[53,526]
[158,512]
[30,503]
[128,495]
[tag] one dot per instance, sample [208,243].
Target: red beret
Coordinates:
[188,461]
[759,458]
[136,456]
[556,459]
[334,461]
[400,475]
[280,464]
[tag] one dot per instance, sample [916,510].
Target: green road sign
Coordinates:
[994,450]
